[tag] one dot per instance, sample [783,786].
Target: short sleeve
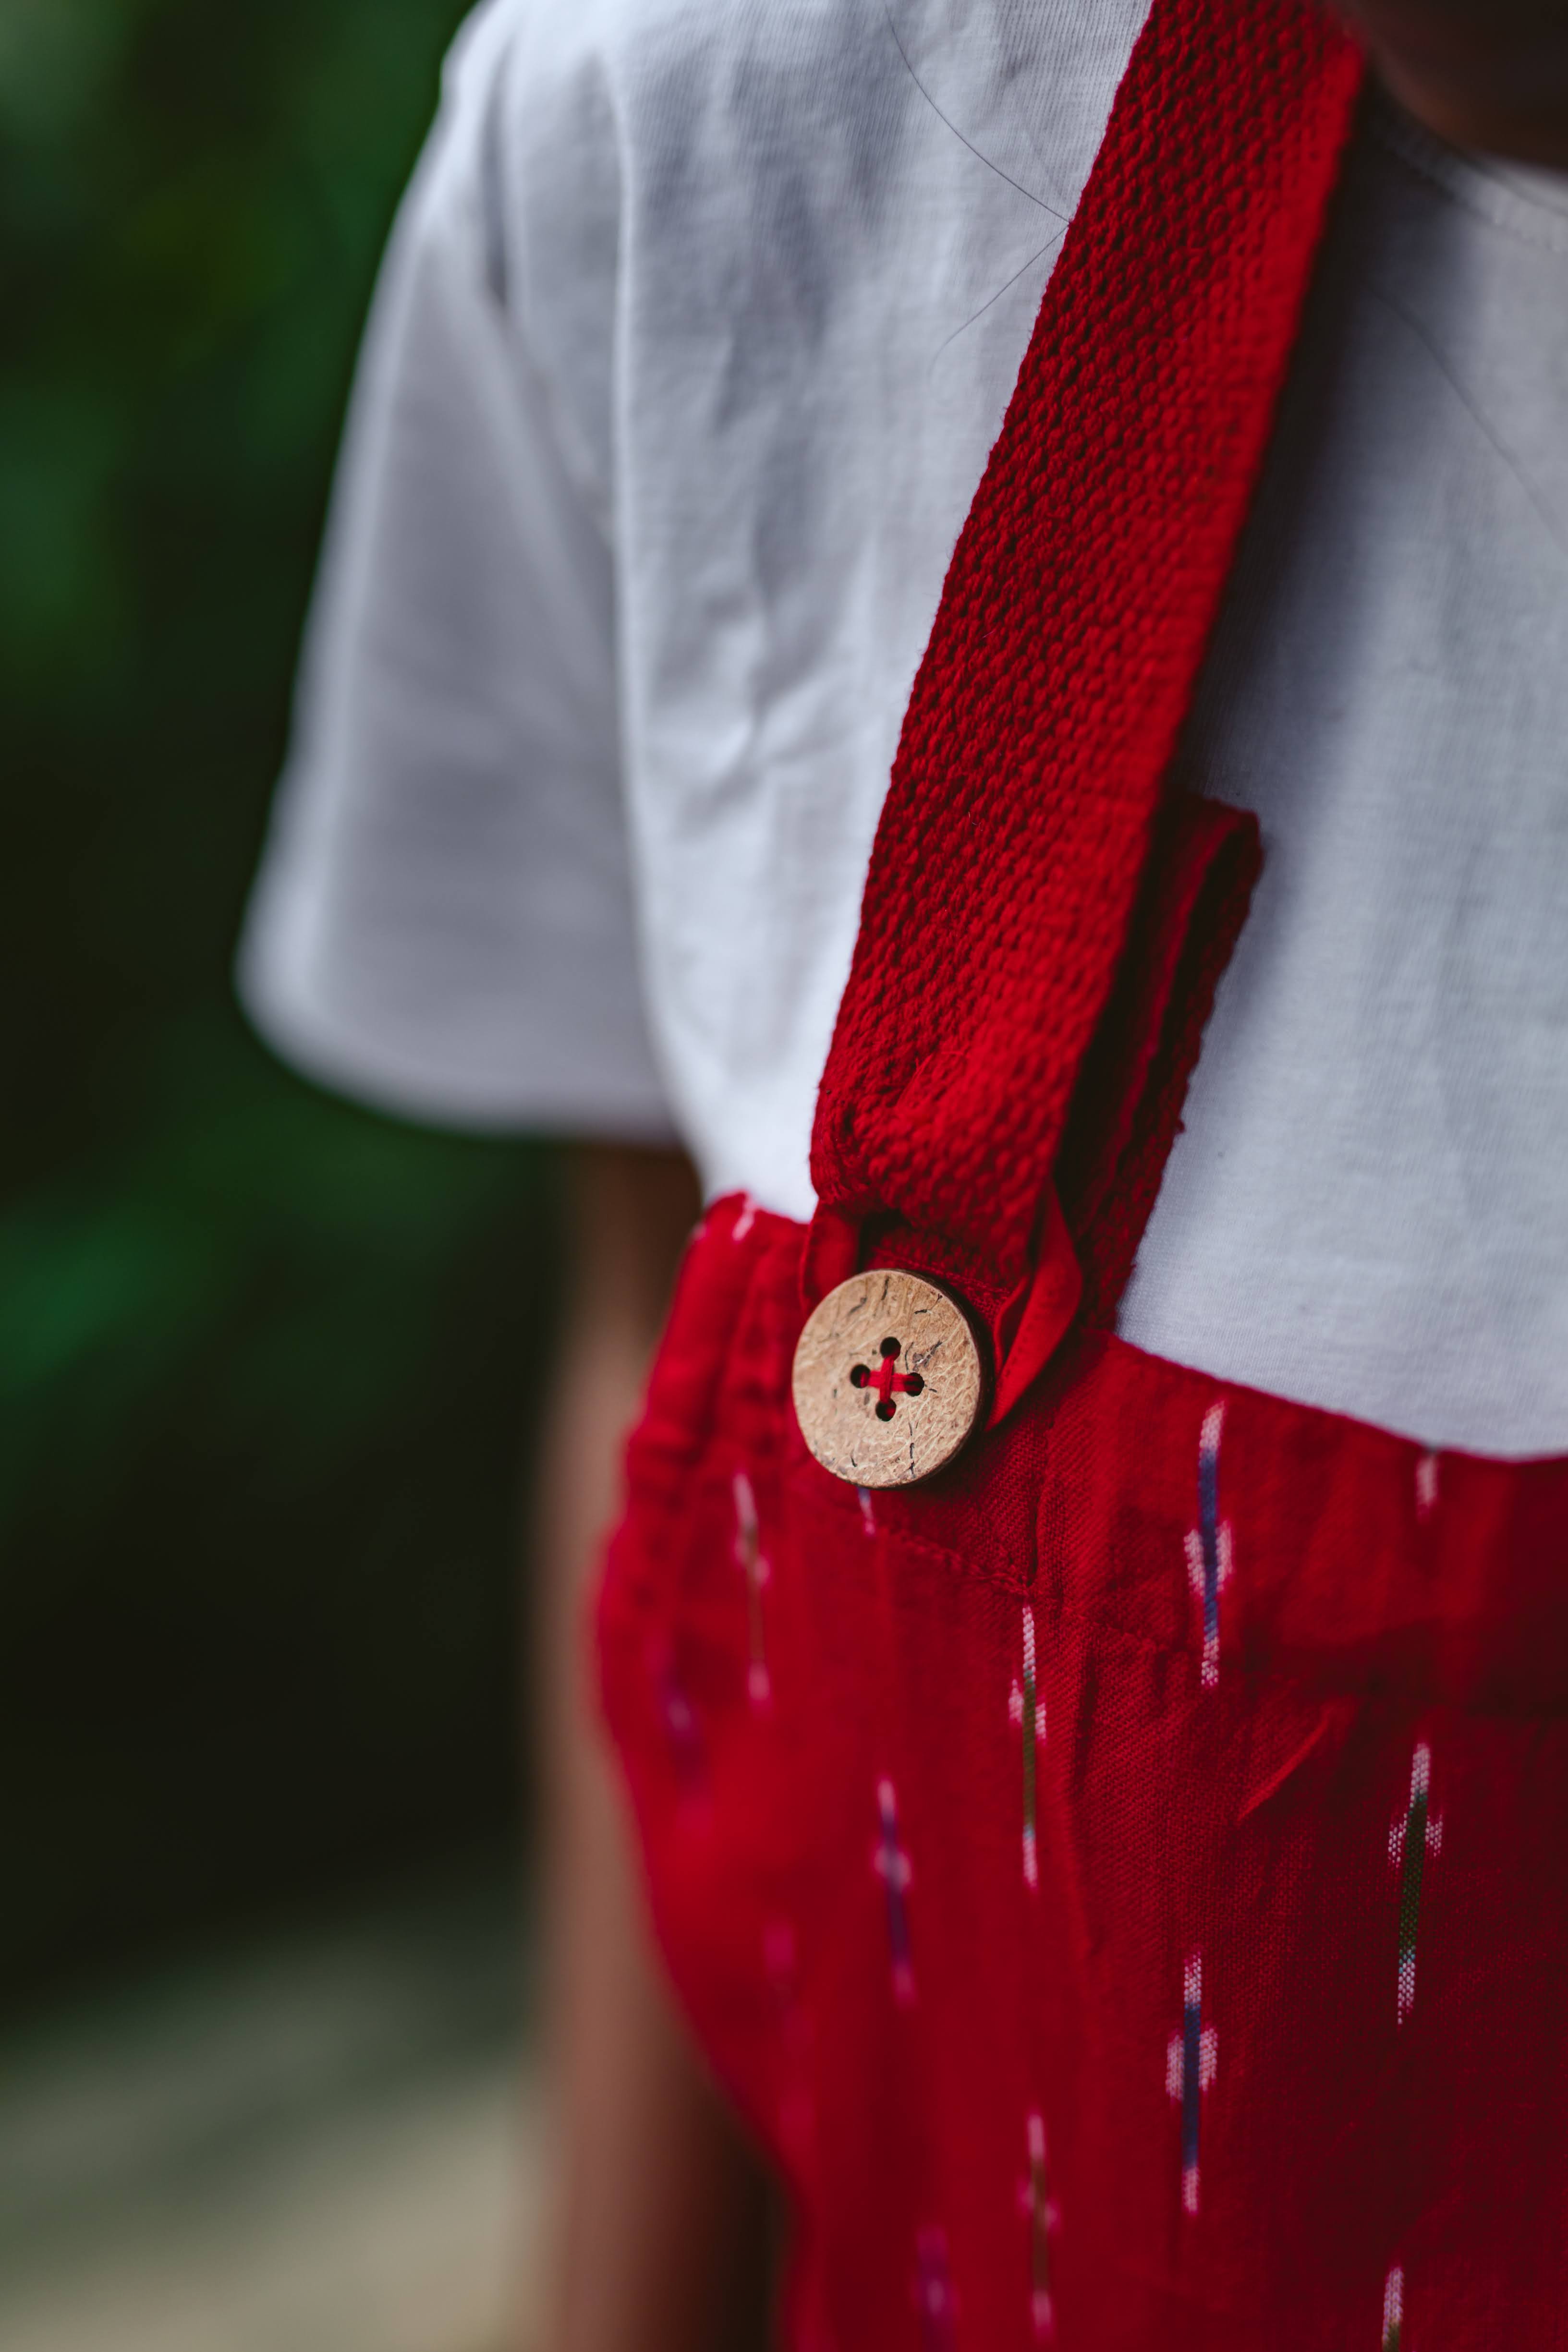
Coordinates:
[444,920]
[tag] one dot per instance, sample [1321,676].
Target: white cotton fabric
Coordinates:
[699,323]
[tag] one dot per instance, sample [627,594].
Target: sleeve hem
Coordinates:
[415,1078]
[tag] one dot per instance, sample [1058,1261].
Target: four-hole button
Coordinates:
[888,1379]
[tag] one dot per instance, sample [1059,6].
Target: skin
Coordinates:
[662,2231]
[1491,74]
[660,2235]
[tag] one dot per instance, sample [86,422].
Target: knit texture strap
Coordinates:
[1073,623]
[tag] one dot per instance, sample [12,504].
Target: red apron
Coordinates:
[1123,1881]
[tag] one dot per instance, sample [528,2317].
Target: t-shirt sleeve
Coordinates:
[444,919]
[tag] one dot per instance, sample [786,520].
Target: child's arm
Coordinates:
[660,2221]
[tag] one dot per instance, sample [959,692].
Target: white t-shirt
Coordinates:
[696,328]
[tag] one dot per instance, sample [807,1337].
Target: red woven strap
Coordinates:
[1071,629]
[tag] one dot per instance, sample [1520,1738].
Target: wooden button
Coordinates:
[887,1379]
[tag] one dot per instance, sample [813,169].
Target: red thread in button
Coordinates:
[887,1381]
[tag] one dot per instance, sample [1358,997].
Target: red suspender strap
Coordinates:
[1046,709]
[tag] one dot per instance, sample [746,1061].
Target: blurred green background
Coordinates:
[262,1396]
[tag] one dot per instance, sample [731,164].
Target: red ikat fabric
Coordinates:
[1123,1888]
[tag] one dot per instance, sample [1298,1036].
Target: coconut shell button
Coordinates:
[888,1380]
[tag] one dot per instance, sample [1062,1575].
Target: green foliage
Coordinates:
[258,1396]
